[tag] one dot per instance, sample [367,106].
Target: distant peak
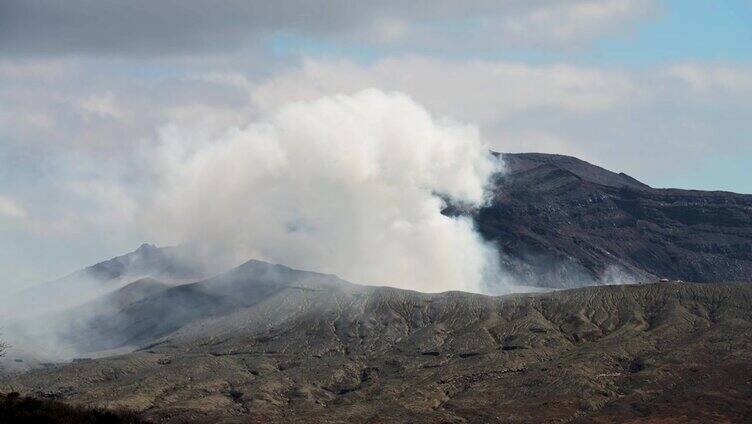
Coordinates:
[257,264]
[146,247]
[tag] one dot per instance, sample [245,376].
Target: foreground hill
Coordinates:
[26,410]
[562,222]
[266,343]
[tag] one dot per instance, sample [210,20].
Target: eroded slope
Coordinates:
[561,222]
[345,353]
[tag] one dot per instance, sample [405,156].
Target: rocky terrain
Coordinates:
[265,343]
[562,222]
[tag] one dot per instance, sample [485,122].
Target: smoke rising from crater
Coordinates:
[347,184]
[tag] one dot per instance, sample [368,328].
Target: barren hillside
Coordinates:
[312,348]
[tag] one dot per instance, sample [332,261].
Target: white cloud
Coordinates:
[38,70]
[626,120]
[526,141]
[103,105]
[77,172]
[342,184]
[9,208]
[568,22]
[151,28]
[712,78]
[480,91]
[389,30]
[110,205]
[231,79]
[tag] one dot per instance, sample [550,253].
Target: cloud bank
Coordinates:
[150,28]
[346,184]
[73,136]
[85,84]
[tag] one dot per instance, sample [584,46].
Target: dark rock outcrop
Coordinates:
[561,222]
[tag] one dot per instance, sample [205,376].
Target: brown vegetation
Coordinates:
[27,410]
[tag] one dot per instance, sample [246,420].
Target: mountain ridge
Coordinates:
[561,222]
[349,353]
[520,162]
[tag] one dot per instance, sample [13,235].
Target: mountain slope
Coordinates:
[321,350]
[168,264]
[561,222]
[113,323]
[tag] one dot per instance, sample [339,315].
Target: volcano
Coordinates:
[559,222]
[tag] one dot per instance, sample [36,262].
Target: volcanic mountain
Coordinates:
[169,264]
[557,221]
[561,222]
[267,343]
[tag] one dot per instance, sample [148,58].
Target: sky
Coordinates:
[659,89]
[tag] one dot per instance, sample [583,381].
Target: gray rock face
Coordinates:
[562,222]
[265,343]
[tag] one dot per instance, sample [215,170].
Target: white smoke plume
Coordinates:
[347,184]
